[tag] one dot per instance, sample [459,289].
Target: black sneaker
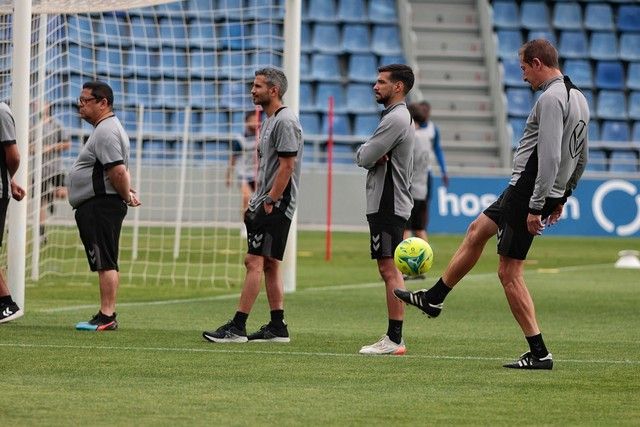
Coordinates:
[99,322]
[9,311]
[270,333]
[419,299]
[229,332]
[529,361]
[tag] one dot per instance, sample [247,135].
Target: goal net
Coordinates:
[181,73]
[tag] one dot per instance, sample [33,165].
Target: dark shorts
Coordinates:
[385,233]
[267,234]
[510,213]
[99,222]
[418,218]
[4,204]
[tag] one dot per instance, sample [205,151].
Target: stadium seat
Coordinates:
[340,125]
[567,16]
[534,15]
[365,124]
[171,94]
[352,11]
[579,70]
[144,31]
[542,34]
[594,131]
[129,120]
[307,102]
[230,9]
[362,68]
[609,75]
[630,46]
[79,28]
[391,59]
[324,91]
[167,9]
[633,76]
[635,136]
[202,34]
[305,37]
[628,17]
[634,105]
[310,123]
[213,123]
[597,161]
[258,9]
[361,99]
[509,41]
[143,62]
[203,64]
[67,116]
[623,161]
[234,35]
[305,67]
[326,38]
[598,17]
[322,11]
[269,36]
[513,73]
[177,122]
[612,105]
[173,63]
[112,31]
[591,102]
[506,15]
[517,129]
[202,93]
[573,44]
[603,46]
[383,11]
[198,6]
[234,64]
[173,32]
[616,132]
[154,122]
[234,96]
[385,40]
[343,153]
[355,38]
[138,92]
[263,59]
[216,151]
[109,62]
[519,102]
[79,59]
[325,67]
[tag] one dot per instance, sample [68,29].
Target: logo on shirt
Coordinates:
[576,144]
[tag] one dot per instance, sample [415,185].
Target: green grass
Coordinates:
[157,370]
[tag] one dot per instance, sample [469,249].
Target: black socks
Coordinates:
[277,317]
[537,347]
[438,292]
[394,331]
[240,319]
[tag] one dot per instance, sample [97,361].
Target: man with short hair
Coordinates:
[388,157]
[9,163]
[100,191]
[270,212]
[550,159]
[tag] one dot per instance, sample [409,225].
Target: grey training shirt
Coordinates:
[107,146]
[7,137]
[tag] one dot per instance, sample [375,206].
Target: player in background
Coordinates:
[388,157]
[270,212]
[9,163]
[244,161]
[550,159]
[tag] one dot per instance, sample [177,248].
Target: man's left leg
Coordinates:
[9,310]
[276,330]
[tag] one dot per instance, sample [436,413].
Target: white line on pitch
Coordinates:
[297,353]
[477,276]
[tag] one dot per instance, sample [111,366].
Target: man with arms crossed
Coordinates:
[388,157]
[270,212]
[546,168]
[100,191]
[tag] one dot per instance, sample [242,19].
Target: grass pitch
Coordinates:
[157,370]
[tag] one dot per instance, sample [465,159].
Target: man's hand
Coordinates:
[555,215]
[534,224]
[382,160]
[133,199]
[17,192]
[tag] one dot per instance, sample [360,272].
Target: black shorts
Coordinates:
[267,234]
[99,222]
[510,213]
[4,204]
[418,218]
[385,233]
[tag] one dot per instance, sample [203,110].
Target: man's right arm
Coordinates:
[12,157]
[377,146]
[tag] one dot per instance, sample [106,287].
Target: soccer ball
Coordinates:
[413,256]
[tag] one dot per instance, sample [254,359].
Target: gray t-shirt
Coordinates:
[280,136]
[421,163]
[7,137]
[107,146]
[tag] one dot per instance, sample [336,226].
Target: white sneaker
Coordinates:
[385,346]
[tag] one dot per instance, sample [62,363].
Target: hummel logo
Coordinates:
[375,246]
[7,312]
[500,231]
[375,238]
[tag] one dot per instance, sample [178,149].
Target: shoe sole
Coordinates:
[14,316]
[277,339]
[429,315]
[224,340]
[398,352]
[86,326]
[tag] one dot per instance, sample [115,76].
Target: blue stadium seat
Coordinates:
[129,120]
[213,123]
[609,75]
[352,11]
[542,34]
[67,116]
[534,15]
[365,124]
[79,59]
[340,125]
[173,63]
[305,67]
[141,61]
[360,98]
[109,62]
[258,9]
[326,38]
[324,91]
[634,105]
[234,64]
[343,153]
[513,73]
[144,31]
[591,102]
[203,64]
[385,40]
[594,131]
[616,132]
[573,44]
[391,59]
[234,96]
[363,68]
[635,136]
[633,76]
[506,15]
[612,104]
[519,102]
[177,122]
[628,17]
[517,129]
[597,161]
[171,94]
[168,9]
[322,11]
[196,7]
[202,93]
[307,102]
[237,122]
[355,38]
[154,122]
[202,34]
[230,9]
[310,123]
[630,46]
[235,36]
[269,36]
[579,70]
[603,46]
[325,67]
[112,31]
[117,86]
[383,11]
[623,161]
[173,32]
[305,37]
[567,16]
[138,92]
[265,59]
[509,41]
[598,17]
[79,28]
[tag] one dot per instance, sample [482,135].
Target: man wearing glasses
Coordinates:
[100,191]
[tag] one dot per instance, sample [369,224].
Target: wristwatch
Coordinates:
[269,200]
